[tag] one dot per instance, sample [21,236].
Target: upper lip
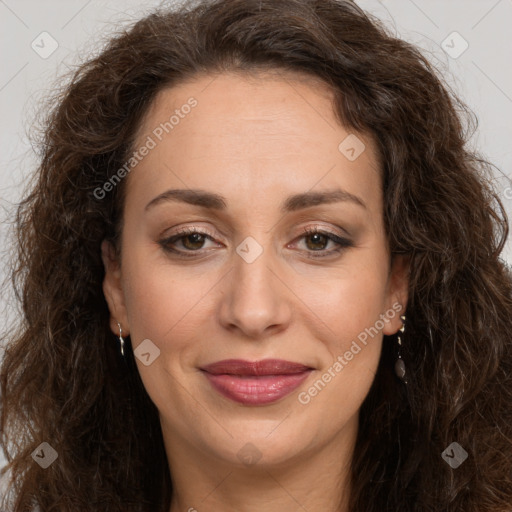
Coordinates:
[257,368]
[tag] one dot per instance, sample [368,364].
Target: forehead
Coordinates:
[253,135]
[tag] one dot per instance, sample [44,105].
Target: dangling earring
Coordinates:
[399,364]
[121,341]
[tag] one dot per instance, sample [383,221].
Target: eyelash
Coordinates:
[342,243]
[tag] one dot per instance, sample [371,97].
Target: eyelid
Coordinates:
[188,230]
[342,233]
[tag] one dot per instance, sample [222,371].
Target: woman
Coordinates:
[260,270]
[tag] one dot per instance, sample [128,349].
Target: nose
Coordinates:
[255,300]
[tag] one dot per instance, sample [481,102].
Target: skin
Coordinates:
[272,136]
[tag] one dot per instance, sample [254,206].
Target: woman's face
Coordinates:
[225,270]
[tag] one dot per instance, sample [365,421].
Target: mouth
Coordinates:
[255,382]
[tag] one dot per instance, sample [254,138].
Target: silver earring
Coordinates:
[399,364]
[121,341]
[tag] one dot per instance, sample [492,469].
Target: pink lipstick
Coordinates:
[255,383]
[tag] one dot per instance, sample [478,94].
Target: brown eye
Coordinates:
[193,241]
[318,241]
[187,243]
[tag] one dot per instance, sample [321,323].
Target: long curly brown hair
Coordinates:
[63,380]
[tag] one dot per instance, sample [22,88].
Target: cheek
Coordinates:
[352,307]
[161,304]
[166,308]
[346,300]
[346,312]
[354,345]
[173,307]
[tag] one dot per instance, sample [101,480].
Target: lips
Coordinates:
[255,382]
[256,368]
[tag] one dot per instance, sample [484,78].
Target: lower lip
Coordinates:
[252,390]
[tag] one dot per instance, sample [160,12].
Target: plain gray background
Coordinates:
[480,73]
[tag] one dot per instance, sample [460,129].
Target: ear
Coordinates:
[112,289]
[398,292]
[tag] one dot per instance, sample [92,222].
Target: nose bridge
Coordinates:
[255,299]
[252,265]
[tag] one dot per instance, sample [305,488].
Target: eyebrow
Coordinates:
[210,200]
